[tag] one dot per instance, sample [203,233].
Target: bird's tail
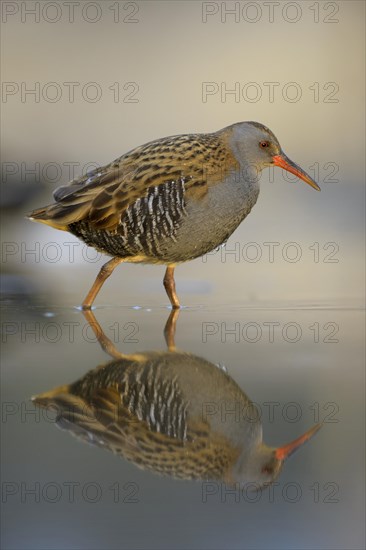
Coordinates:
[54,215]
[47,398]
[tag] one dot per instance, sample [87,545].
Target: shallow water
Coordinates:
[300,364]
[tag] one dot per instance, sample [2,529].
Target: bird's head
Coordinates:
[256,146]
[262,465]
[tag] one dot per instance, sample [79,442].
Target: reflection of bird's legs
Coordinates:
[169,285]
[105,271]
[170,328]
[106,344]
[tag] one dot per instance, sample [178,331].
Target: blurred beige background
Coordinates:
[167,68]
[163,68]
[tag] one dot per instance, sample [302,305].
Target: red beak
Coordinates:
[284,162]
[284,452]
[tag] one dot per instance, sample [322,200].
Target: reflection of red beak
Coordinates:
[284,162]
[284,452]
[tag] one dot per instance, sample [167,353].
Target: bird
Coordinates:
[172,413]
[168,201]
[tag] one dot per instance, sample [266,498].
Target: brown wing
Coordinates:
[103,196]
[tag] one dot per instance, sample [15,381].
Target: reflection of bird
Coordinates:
[170,200]
[173,413]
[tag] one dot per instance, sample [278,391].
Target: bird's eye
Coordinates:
[263,144]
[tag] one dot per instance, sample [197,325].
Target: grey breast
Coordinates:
[215,216]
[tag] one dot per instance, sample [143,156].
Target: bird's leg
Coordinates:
[105,343]
[169,329]
[169,285]
[104,273]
